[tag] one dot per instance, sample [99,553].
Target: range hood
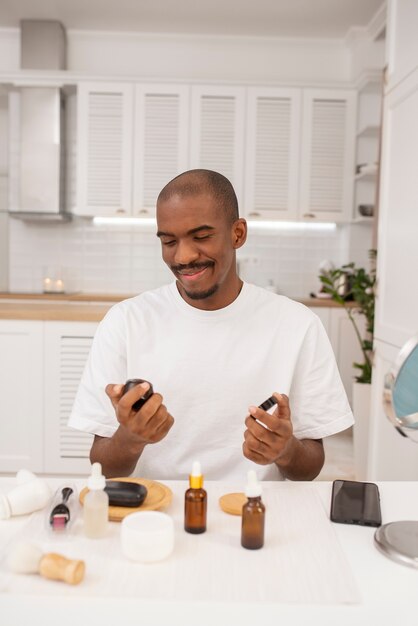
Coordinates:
[37,128]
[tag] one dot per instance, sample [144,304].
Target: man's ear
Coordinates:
[239,233]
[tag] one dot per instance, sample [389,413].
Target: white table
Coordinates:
[388,590]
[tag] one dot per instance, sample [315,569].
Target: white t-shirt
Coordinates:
[210,366]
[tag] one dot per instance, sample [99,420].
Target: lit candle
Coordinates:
[59,285]
[47,285]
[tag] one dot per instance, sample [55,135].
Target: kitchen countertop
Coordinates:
[82,307]
[63,311]
[78,296]
[70,307]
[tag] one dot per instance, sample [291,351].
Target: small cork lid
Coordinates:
[232,503]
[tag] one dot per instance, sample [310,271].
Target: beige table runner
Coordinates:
[301,562]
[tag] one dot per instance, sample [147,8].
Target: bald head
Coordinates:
[198,182]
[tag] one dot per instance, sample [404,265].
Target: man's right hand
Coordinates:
[148,425]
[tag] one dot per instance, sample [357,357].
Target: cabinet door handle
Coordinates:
[120,211]
[310,215]
[143,212]
[254,214]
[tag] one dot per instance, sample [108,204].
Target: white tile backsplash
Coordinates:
[127,259]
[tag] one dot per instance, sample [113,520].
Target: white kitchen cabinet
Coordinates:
[324,314]
[41,364]
[104,149]
[393,457]
[327,155]
[217,132]
[346,345]
[161,148]
[344,342]
[273,133]
[67,345]
[131,140]
[300,154]
[21,397]
[294,148]
[397,297]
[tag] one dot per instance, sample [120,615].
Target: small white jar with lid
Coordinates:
[147,536]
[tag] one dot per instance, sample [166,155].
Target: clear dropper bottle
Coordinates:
[96,504]
[253,514]
[195,502]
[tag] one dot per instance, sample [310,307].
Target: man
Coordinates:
[214,348]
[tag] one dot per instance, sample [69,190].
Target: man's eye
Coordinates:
[200,237]
[168,243]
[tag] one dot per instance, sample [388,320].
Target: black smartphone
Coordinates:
[355,502]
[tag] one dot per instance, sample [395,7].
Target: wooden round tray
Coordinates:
[158,497]
[232,503]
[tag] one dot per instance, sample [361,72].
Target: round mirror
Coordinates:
[400,394]
[399,540]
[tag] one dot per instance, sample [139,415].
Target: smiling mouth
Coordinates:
[192,274]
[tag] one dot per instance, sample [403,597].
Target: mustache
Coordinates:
[190,266]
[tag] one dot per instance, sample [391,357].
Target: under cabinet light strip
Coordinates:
[252,224]
[271,225]
[124,221]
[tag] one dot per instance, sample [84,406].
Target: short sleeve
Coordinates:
[318,401]
[92,411]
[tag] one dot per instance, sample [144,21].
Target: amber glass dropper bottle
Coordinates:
[195,502]
[253,513]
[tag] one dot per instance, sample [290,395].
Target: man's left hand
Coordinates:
[268,444]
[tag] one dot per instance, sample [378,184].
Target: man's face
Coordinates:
[198,245]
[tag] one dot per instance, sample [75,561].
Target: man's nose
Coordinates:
[185,253]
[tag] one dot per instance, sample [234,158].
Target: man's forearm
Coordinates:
[302,460]
[118,454]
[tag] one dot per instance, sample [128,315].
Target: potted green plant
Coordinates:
[351,284]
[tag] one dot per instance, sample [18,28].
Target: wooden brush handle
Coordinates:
[58,567]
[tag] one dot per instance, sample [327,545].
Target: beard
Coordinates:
[195,295]
[201,295]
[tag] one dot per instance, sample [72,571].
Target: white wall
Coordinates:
[4,218]
[360,242]
[4,161]
[402,48]
[4,251]
[208,58]
[179,57]
[120,259]
[9,49]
